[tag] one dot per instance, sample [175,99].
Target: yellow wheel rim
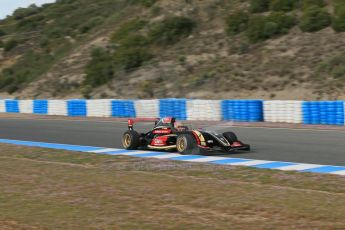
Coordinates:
[180,145]
[126,140]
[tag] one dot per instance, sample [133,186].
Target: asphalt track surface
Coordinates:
[291,145]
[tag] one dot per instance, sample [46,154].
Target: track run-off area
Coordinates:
[325,147]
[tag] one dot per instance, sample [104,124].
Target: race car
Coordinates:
[168,136]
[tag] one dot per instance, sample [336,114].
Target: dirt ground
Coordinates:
[52,189]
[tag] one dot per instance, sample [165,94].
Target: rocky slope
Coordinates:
[53,55]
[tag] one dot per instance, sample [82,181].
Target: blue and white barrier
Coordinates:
[298,112]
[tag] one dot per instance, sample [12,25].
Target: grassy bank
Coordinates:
[51,189]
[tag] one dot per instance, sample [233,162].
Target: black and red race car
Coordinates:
[168,136]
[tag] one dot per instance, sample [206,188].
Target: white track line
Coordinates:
[250,163]
[299,167]
[168,155]
[206,159]
[103,150]
[134,153]
[342,172]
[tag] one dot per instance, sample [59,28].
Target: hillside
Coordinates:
[270,49]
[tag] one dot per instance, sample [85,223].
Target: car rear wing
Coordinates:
[136,120]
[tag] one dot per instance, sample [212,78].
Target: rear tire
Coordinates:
[131,140]
[231,137]
[185,144]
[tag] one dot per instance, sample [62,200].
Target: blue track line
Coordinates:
[177,157]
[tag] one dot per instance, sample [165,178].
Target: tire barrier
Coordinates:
[298,112]
[99,108]
[283,111]
[173,108]
[207,110]
[242,110]
[12,106]
[323,112]
[76,108]
[57,107]
[26,106]
[122,108]
[40,107]
[2,106]
[147,108]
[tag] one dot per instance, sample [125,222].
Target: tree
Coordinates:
[237,22]
[9,45]
[171,30]
[283,5]
[259,6]
[100,69]
[314,19]
[2,33]
[130,58]
[338,21]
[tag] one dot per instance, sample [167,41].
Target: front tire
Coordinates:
[131,140]
[231,137]
[185,144]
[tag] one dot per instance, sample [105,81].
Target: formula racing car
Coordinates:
[167,135]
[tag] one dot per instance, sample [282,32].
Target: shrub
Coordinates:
[155,11]
[86,91]
[243,47]
[283,5]
[334,67]
[309,3]
[135,40]
[23,72]
[54,32]
[284,22]
[270,29]
[255,31]
[31,23]
[100,69]
[258,6]
[11,44]
[314,18]
[2,33]
[171,30]
[237,22]
[44,42]
[90,24]
[131,58]
[21,13]
[338,21]
[146,3]
[126,29]
[261,27]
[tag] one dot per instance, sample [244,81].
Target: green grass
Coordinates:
[51,189]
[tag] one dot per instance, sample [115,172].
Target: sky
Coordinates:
[8,6]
